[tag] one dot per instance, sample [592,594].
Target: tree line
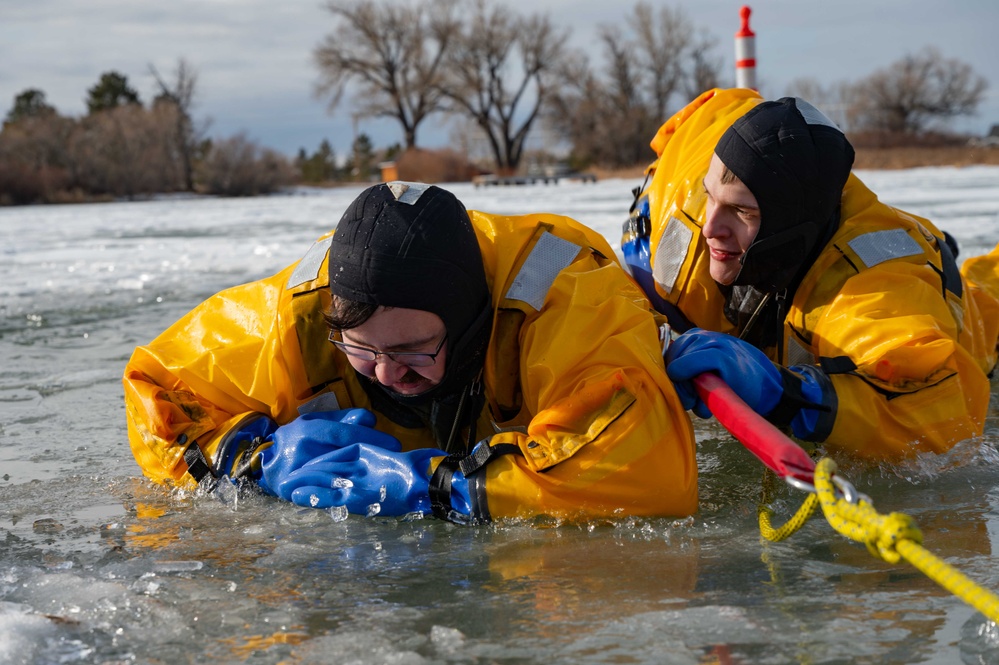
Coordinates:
[503,73]
[496,75]
[121,148]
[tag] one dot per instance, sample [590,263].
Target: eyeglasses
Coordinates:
[407,358]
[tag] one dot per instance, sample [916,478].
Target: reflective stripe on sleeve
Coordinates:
[671,253]
[880,246]
[550,256]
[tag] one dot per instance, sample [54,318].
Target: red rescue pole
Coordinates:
[745,52]
[769,444]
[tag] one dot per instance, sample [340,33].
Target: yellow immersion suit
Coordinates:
[573,376]
[907,341]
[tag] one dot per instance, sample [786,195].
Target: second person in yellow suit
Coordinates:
[422,359]
[844,318]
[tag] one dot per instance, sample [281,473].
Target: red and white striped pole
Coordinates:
[745,52]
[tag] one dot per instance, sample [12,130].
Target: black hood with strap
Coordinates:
[796,162]
[412,245]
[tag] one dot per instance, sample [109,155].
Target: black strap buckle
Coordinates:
[199,468]
[440,487]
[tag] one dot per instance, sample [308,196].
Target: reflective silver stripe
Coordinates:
[323,402]
[812,115]
[880,246]
[407,192]
[308,268]
[547,259]
[671,253]
[797,354]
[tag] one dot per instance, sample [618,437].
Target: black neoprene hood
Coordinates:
[410,245]
[796,162]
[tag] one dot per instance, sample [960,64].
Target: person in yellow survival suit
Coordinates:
[823,308]
[425,359]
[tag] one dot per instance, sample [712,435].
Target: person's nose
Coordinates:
[388,371]
[714,223]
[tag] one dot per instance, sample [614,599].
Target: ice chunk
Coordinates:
[177,566]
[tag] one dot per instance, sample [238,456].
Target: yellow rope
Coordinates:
[764,514]
[894,537]
[775,535]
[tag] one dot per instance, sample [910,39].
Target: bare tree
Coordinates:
[395,51]
[912,93]
[121,152]
[238,166]
[181,95]
[499,73]
[835,100]
[661,41]
[704,65]
[35,165]
[632,104]
[610,119]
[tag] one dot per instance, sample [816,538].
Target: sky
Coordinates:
[256,75]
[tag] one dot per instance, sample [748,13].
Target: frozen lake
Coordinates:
[99,566]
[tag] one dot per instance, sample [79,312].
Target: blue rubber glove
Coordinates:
[313,435]
[369,480]
[743,367]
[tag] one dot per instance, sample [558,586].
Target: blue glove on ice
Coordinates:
[369,480]
[312,435]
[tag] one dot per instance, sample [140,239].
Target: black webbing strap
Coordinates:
[198,466]
[440,487]
[469,465]
[483,453]
[948,262]
[837,365]
[792,400]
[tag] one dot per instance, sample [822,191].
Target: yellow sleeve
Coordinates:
[606,435]
[915,388]
[981,274]
[220,363]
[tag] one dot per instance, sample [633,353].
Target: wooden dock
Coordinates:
[491,179]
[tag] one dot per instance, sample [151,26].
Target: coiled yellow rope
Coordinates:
[889,537]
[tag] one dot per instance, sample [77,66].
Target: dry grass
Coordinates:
[907,158]
[872,159]
[432,166]
[630,173]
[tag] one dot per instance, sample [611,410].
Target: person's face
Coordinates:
[398,330]
[731,222]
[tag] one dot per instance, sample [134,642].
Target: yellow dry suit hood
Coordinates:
[796,162]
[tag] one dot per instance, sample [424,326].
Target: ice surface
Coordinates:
[99,565]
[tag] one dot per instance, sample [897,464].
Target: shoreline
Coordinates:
[874,159]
